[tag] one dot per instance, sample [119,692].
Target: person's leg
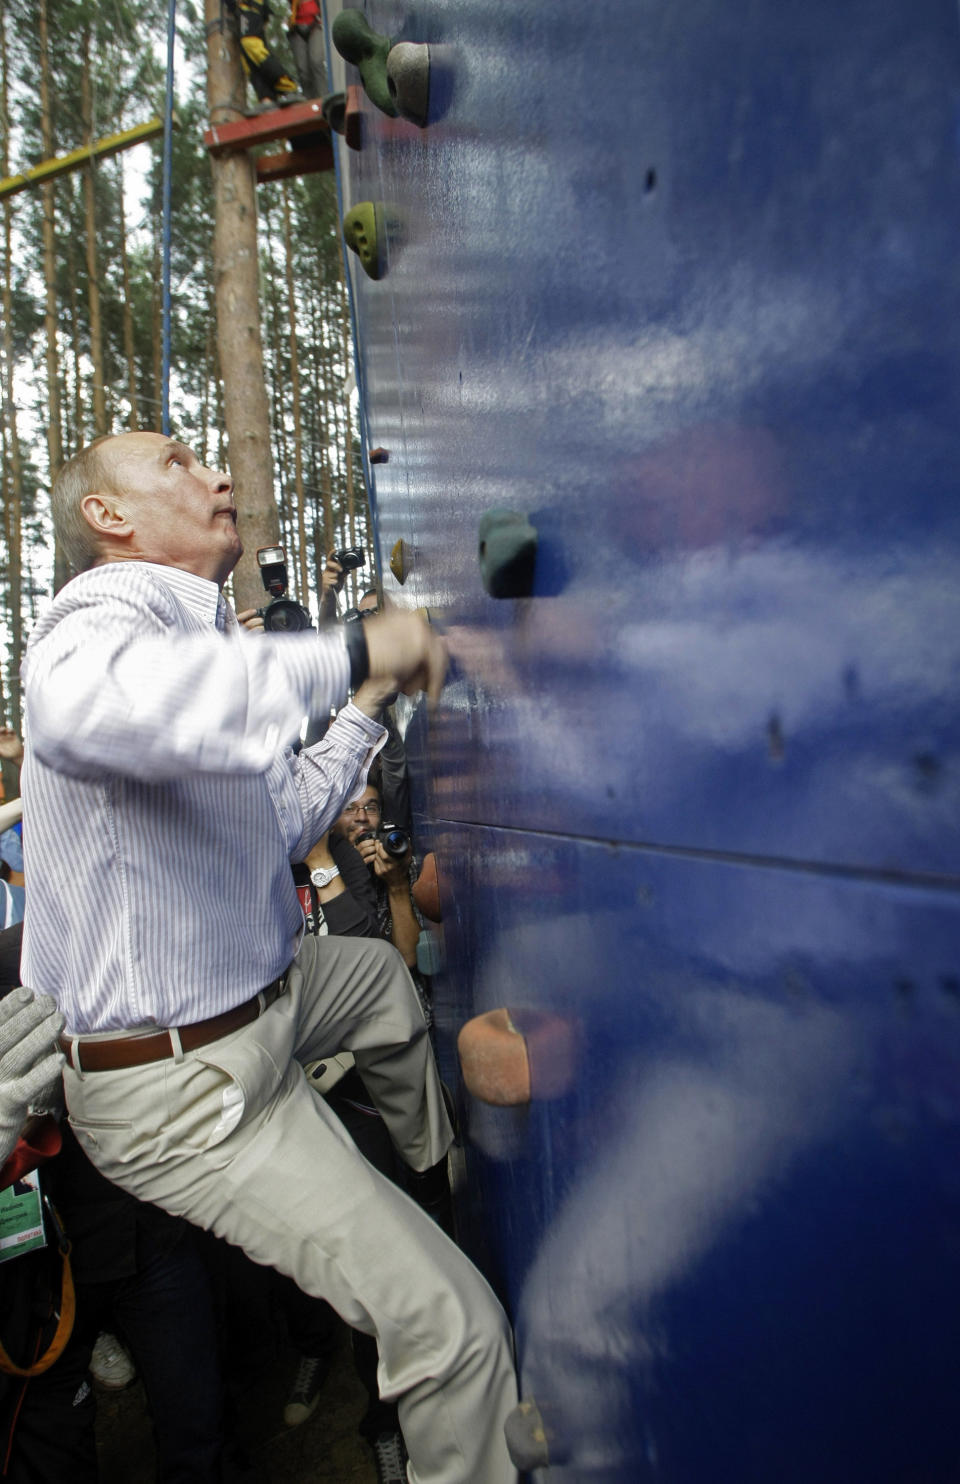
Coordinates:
[355,994]
[313,1327]
[317,63]
[351,1103]
[53,1436]
[166,1310]
[354,1107]
[287,1185]
[266,70]
[299,50]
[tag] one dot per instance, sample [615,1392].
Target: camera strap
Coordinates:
[312,911]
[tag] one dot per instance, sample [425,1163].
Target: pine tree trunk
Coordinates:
[129,350]
[276,376]
[73,438]
[209,374]
[323,394]
[12,464]
[347,355]
[238,319]
[295,391]
[93,280]
[61,571]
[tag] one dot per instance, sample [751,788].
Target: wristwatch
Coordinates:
[323,875]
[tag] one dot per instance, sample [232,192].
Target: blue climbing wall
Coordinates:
[680,283]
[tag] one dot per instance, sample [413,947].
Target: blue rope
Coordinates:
[167,181]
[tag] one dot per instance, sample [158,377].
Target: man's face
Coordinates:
[183,515]
[365,814]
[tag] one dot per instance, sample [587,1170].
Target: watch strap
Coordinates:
[356,641]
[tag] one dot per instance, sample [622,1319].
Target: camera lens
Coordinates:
[395,842]
[284,616]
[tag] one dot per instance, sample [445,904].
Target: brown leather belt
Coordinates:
[116,1052]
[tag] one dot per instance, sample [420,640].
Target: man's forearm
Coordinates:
[405,929]
[335,770]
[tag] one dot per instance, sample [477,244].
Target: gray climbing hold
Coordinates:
[408,78]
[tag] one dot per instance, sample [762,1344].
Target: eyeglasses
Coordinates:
[370,807]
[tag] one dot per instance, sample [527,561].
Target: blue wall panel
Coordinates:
[681,283]
[729,1235]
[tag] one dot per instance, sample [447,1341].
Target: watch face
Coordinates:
[322,876]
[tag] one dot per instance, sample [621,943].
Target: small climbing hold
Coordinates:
[526,1436]
[334,108]
[358,43]
[398,561]
[364,230]
[426,889]
[494,1059]
[408,78]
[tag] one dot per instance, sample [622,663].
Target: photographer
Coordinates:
[389,856]
[273,569]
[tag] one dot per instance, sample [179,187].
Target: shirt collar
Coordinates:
[198,594]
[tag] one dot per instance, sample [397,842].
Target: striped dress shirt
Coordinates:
[163,803]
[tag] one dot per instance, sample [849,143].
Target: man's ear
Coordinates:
[105,515]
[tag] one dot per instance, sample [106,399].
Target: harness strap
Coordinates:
[64,1329]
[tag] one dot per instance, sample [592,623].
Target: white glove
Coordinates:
[30,1064]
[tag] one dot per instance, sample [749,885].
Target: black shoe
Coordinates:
[305,1392]
[449,1103]
[431,1191]
[390,1453]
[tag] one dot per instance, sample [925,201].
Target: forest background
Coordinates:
[80,349]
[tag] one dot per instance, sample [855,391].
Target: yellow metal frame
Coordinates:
[101,148]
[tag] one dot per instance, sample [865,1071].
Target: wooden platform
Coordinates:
[302,125]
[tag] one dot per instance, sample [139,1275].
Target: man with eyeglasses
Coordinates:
[359,823]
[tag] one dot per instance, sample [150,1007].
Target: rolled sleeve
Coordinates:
[334,771]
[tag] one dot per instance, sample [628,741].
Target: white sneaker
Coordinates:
[111,1365]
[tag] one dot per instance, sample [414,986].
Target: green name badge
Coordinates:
[21,1217]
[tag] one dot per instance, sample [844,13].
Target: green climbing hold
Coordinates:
[367,50]
[507,553]
[364,230]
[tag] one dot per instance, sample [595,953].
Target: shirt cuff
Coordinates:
[361,728]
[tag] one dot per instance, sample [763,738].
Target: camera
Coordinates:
[281,615]
[395,841]
[349,558]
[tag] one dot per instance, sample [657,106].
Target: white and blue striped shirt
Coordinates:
[162,801]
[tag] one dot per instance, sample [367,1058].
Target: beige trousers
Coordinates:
[232,1138]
